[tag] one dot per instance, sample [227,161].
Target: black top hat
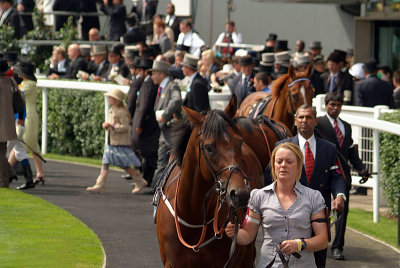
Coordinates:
[116,49]
[246,60]
[183,48]
[272,37]
[342,54]
[145,63]
[281,45]
[10,56]
[156,50]
[3,66]
[136,62]
[148,53]
[26,69]
[371,66]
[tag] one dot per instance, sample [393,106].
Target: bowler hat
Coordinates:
[183,48]
[10,56]
[246,60]
[160,66]
[3,66]
[190,61]
[85,49]
[145,63]
[371,66]
[315,44]
[281,45]
[116,94]
[26,69]
[99,50]
[272,37]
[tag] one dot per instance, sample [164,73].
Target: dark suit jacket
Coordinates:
[325,179]
[151,9]
[317,83]
[13,20]
[123,69]
[133,94]
[145,118]
[237,88]
[197,98]
[93,68]
[117,15]
[373,91]
[326,131]
[55,69]
[88,22]
[63,5]
[73,68]
[175,27]
[134,36]
[343,84]
[26,20]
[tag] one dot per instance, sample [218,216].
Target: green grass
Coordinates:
[385,230]
[74,159]
[35,233]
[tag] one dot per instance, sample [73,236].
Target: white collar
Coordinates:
[311,141]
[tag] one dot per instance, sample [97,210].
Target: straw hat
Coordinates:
[116,94]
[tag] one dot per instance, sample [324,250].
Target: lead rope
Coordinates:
[284,261]
[233,245]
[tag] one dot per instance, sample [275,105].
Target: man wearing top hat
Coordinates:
[100,63]
[117,65]
[76,63]
[145,129]
[243,84]
[301,63]
[281,45]
[315,79]
[316,48]
[197,91]
[167,106]
[190,38]
[270,43]
[281,63]
[9,16]
[134,34]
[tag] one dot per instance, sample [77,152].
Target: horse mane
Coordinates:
[215,126]
[277,85]
[245,123]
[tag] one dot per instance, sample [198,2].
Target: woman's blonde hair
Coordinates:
[297,152]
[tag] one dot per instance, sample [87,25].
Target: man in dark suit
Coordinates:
[145,10]
[331,128]
[88,22]
[167,108]
[77,63]
[373,91]
[197,92]
[172,21]
[145,129]
[134,33]
[320,171]
[99,65]
[26,20]
[9,16]
[335,80]
[243,84]
[117,64]
[117,12]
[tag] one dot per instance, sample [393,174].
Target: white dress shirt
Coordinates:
[236,38]
[192,40]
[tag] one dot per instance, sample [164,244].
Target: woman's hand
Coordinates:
[106,125]
[230,230]
[289,246]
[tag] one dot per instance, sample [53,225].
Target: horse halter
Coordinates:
[290,94]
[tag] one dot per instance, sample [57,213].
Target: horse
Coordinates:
[288,93]
[209,185]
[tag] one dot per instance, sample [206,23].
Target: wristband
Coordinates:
[303,244]
[299,247]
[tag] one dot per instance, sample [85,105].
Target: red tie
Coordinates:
[339,133]
[309,162]
[158,94]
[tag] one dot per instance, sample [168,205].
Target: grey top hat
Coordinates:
[302,60]
[160,66]
[267,59]
[99,50]
[190,61]
[318,58]
[282,58]
[315,44]
[85,49]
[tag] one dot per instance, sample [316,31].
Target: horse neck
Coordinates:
[282,106]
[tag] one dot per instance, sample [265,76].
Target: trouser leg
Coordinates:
[26,167]
[149,166]
[340,226]
[320,258]
[5,169]
[162,161]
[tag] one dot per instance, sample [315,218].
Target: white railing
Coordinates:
[365,118]
[217,100]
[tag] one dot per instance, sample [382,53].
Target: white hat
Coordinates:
[357,71]
[241,52]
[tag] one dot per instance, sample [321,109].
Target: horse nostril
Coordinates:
[239,198]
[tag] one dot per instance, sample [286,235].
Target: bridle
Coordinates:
[290,95]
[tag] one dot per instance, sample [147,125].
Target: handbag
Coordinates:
[18,99]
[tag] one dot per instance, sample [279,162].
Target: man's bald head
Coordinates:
[73,51]
[94,34]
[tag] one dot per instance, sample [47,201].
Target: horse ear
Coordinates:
[292,72]
[194,117]
[309,70]
[231,108]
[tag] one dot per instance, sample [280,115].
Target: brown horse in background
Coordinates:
[213,164]
[288,92]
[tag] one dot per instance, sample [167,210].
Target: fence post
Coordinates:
[319,103]
[44,120]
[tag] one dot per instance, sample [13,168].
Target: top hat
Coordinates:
[267,59]
[26,69]
[10,56]
[282,58]
[145,63]
[99,50]
[116,94]
[272,37]
[156,50]
[131,52]
[282,45]
[116,49]
[315,44]
[246,60]
[318,58]
[371,66]
[136,62]
[4,66]
[85,49]
[302,60]
[342,54]
[190,61]
[160,66]
[183,48]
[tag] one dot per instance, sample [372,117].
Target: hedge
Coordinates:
[390,162]
[74,122]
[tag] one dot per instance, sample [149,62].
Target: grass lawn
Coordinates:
[385,230]
[36,233]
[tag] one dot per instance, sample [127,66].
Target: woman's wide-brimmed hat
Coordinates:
[116,94]
[25,69]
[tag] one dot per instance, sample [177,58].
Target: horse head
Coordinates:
[220,155]
[300,90]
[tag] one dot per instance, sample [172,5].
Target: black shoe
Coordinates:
[12,178]
[26,186]
[126,177]
[337,254]
[39,179]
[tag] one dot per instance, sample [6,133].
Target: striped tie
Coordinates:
[309,162]
[339,133]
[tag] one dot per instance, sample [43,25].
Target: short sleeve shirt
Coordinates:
[279,225]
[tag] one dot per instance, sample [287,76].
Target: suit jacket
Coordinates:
[197,95]
[175,27]
[237,88]
[343,84]
[13,20]
[56,71]
[123,69]
[88,22]
[134,88]
[73,68]
[151,9]
[325,179]
[164,43]
[373,91]
[317,83]
[117,15]
[326,131]
[134,36]
[26,20]
[92,68]
[145,118]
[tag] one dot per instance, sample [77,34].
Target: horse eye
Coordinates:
[209,149]
[294,98]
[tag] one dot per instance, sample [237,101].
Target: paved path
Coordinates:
[124,223]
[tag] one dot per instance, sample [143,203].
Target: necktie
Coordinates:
[332,83]
[309,162]
[339,133]
[158,95]
[244,85]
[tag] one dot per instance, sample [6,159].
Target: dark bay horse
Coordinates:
[213,165]
[288,92]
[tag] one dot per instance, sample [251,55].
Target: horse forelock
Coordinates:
[278,85]
[216,125]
